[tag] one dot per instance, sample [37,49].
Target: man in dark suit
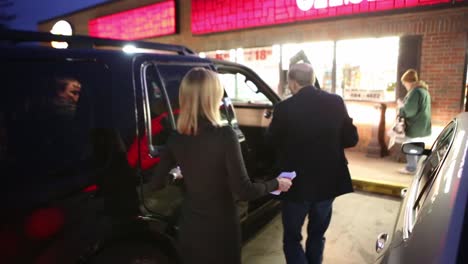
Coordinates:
[309,132]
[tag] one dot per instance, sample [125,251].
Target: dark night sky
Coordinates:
[29,12]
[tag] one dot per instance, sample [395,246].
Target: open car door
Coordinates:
[253,102]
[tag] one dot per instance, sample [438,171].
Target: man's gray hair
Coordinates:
[302,73]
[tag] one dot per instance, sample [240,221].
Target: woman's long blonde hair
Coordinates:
[200,95]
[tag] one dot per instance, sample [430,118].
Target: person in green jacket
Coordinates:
[416,110]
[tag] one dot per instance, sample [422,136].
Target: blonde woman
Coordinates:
[416,109]
[215,176]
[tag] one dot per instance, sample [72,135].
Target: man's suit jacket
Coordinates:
[309,132]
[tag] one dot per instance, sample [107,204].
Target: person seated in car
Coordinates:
[66,94]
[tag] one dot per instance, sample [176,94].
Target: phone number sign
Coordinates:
[209,16]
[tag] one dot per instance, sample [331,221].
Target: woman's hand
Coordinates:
[284,184]
[400,103]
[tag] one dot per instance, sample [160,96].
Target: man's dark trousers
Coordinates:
[293,214]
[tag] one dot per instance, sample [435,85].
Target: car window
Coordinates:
[431,166]
[172,75]
[240,89]
[159,110]
[46,119]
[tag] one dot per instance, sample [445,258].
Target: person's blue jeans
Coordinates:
[411,162]
[293,215]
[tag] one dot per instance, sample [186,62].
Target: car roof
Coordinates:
[30,51]
[14,42]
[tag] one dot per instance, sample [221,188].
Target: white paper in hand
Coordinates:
[287,175]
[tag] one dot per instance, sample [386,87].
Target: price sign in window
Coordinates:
[367,68]
[228,55]
[264,61]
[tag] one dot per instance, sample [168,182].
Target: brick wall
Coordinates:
[442,65]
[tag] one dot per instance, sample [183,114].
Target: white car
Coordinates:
[432,225]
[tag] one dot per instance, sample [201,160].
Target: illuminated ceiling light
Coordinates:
[129,49]
[61,27]
[305,5]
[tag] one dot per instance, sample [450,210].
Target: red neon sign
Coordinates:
[144,22]
[210,16]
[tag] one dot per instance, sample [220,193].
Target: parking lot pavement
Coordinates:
[356,221]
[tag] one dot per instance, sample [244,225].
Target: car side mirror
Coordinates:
[414,148]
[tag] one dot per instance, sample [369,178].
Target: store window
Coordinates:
[264,61]
[319,54]
[367,68]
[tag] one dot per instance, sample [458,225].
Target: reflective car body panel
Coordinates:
[431,219]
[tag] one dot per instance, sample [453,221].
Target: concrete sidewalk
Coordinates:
[356,221]
[376,175]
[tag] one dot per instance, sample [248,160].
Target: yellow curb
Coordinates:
[380,187]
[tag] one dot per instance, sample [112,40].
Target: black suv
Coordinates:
[80,134]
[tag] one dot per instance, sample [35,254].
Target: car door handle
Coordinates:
[403,192]
[380,243]
[176,174]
